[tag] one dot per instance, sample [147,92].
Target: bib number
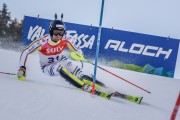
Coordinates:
[52,59]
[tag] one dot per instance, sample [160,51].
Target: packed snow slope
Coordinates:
[41,97]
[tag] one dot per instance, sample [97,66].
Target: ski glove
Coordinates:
[21,74]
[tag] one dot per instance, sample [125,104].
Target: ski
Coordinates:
[134,99]
[103,94]
[108,93]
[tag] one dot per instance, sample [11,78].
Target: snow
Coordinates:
[41,97]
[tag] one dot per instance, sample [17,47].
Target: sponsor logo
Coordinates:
[34,46]
[39,43]
[61,26]
[54,50]
[35,33]
[135,48]
[82,40]
[31,48]
[59,68]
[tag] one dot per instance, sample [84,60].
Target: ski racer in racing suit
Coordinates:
[52,60]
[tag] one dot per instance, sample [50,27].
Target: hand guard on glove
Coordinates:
[21,74]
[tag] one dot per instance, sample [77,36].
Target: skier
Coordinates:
[53,62]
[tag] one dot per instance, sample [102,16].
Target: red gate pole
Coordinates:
[176,107]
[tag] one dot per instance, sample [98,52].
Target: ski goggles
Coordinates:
[58,32]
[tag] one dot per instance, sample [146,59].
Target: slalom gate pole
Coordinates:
[176,107]
[97,47]
[7,73]
[120,78]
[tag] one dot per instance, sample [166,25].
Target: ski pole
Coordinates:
[120,78]
[77,56]
[7,73]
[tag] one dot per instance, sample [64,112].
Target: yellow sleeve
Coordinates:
[72,48]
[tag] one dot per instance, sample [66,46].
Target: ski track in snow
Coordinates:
[43,98]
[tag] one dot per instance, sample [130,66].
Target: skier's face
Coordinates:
[57,34]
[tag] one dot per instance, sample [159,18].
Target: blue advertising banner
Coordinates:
[34,28]
[139,49]
[120,49]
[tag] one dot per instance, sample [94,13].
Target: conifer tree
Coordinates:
[4,20]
